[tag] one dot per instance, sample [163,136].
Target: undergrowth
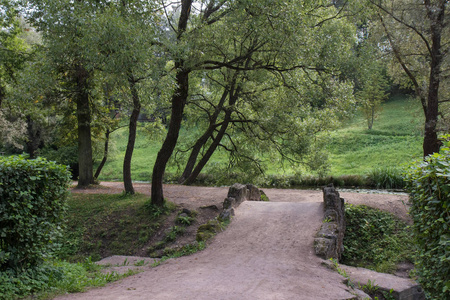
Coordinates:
[376,239]
[99,225]
[53,278]
[185,250]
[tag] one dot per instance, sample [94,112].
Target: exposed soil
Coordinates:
[266,252]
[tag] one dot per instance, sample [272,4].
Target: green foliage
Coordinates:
[429,187]
[370,287]
[387,178]
[185,250]
[33,202]
[184,220]
[157,211]
[375,239]
[353,152]
[117,224]
[173,233]
[52,278]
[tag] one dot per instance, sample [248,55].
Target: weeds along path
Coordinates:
[266,253]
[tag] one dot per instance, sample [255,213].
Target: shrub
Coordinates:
[386,178]
[32,204]
[52,278]
[375,239]
[429,186]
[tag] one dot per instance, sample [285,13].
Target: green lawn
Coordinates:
[395,140]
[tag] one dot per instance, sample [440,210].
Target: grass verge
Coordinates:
[54,277]
[100,225]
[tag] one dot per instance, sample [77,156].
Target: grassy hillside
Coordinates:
[144,156]
[395,139]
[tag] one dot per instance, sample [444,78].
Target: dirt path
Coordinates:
[266,253]
[194,196]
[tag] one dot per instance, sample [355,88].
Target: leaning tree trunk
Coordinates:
[105,155]
[205,158]
[202,140]
[431,141]
[233,97]
[84,129]
[178,101]
[430,102]
[127,182]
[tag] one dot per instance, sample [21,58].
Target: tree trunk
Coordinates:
[205,158]
[127,182]
[33,137]
[178,101]
[431,142]
[2,95]
[105,155]
[372,117]
[202,140]
[430,102]
[233,96]
[84,129]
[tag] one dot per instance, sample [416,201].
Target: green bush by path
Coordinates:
[52,278]
[33,201]
[375,239]
[429,185]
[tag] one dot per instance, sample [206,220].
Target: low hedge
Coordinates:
[32,205]
[429,185]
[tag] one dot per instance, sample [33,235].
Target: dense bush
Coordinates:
[32,203]
[52,278]
[429,185]
[375,239]
[387,178]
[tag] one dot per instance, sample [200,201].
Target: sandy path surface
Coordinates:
[265,253]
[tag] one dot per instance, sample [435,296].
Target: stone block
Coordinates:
[402,288]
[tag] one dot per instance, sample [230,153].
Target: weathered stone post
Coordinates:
[237,194]
[329,241]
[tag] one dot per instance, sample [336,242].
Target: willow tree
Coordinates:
[61,24]
[417,35]
[98,46]
[125,46]
[13,55]
[372,93]
[267,37]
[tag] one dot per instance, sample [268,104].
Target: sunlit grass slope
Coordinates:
[396,139]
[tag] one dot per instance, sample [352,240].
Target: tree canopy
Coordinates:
[250,78]
[416,35]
